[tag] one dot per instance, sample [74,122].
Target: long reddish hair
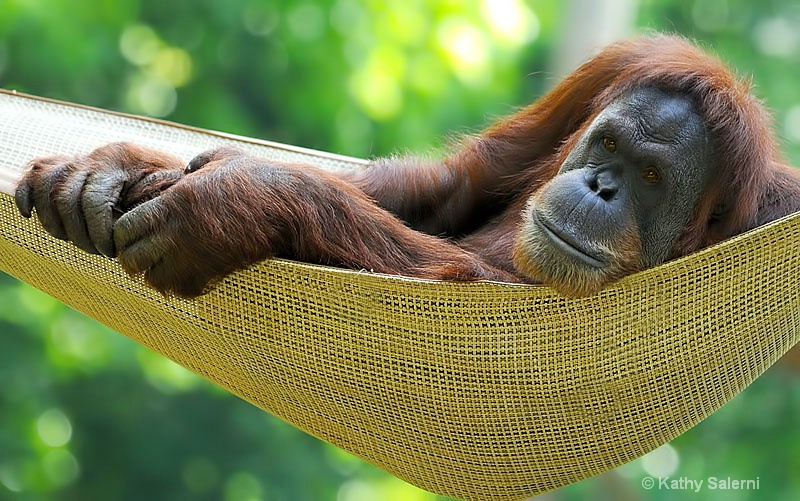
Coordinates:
[744,147]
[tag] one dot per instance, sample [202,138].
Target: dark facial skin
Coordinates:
[623,197]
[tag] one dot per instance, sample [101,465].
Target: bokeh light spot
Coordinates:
[54,428]
[139,44]
[511,21]
[662,462]
[243,486]
[60,467]
[777,37]
[466,49]
[306,22]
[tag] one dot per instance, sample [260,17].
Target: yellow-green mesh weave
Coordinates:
[470,390]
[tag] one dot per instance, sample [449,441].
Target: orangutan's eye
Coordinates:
[651,175]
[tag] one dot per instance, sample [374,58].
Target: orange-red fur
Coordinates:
[512,159]
[459,218]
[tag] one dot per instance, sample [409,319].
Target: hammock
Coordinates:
[477,390]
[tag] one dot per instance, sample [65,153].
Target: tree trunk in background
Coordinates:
[588,26]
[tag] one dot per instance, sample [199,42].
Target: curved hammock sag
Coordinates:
[480,390]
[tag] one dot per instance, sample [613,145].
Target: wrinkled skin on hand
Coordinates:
[183,240]
[80,198]
[115,202]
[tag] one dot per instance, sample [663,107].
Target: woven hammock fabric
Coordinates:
[480,390]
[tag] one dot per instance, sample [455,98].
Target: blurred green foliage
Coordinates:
[87,414]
